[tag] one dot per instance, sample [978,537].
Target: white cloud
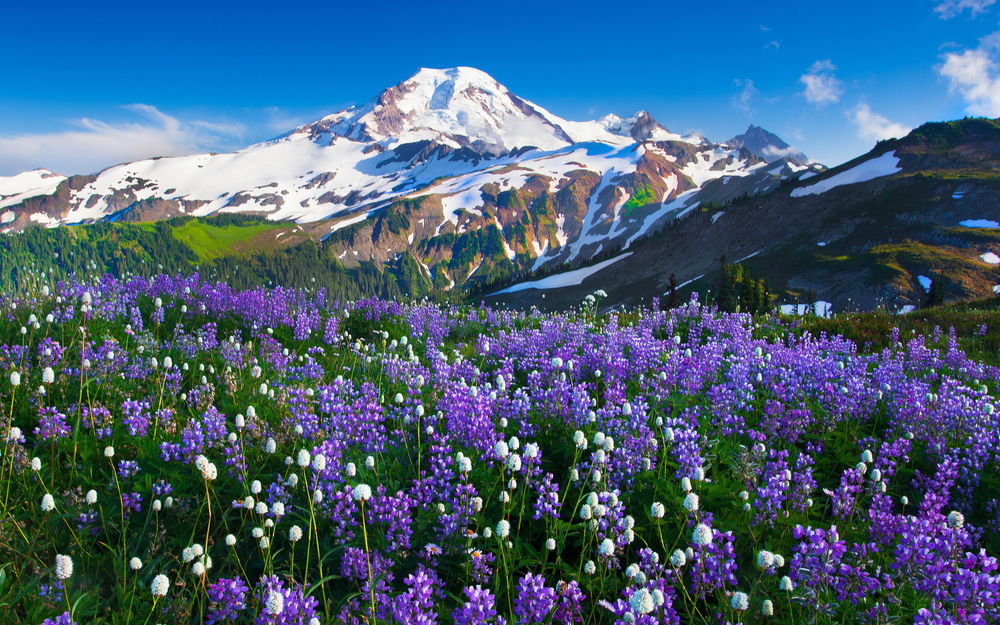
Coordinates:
[774,153]
[874,127]
[822,85]
[744,98]
[973,74]
[950,8]
[94,144]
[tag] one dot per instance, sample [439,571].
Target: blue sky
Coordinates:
[87,85]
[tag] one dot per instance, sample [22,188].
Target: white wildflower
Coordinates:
[64,567]
[503,528]
[606,548]
[739,601]
[765,559]
[678,559]
[275,603]
[160,585]
[956,519]
[702,534]
[362,492]
[767,608]
[642,601]
[691,502]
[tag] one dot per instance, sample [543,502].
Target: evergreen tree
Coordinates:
[673,298]
[748,296]
[726,298]
[935,294]
[763,296]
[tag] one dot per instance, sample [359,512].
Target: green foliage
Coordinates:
[739,292]
[486,242]
[210,240]
[643,195]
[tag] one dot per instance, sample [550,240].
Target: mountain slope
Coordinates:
[448,167]
[874,231]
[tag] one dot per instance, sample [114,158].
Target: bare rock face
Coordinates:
[644,128]
[157,209]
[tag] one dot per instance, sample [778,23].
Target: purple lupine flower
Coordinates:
[228,600]
[535,601]
[62,619]
[52,424]
[478,609]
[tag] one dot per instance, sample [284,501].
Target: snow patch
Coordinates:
[884,165]
[42,218]
[990,258]
[350,221]
[687,282]
[979,223]
[925,282]
[568,278]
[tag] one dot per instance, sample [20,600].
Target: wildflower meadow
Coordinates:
[176,451]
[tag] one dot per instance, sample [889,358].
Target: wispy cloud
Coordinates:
[94,144]
[973,74]
[280,121]
[874,127]
[743,100]
[951,8]
[821,84]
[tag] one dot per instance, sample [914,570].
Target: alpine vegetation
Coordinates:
[179,451]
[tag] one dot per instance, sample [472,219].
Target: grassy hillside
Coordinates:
[209,241]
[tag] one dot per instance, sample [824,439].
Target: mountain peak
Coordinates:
[641,126]
[458,106]
[457,74]
[767,145]
[465,107]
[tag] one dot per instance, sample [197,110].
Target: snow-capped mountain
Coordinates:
[453,159]
[767,145]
